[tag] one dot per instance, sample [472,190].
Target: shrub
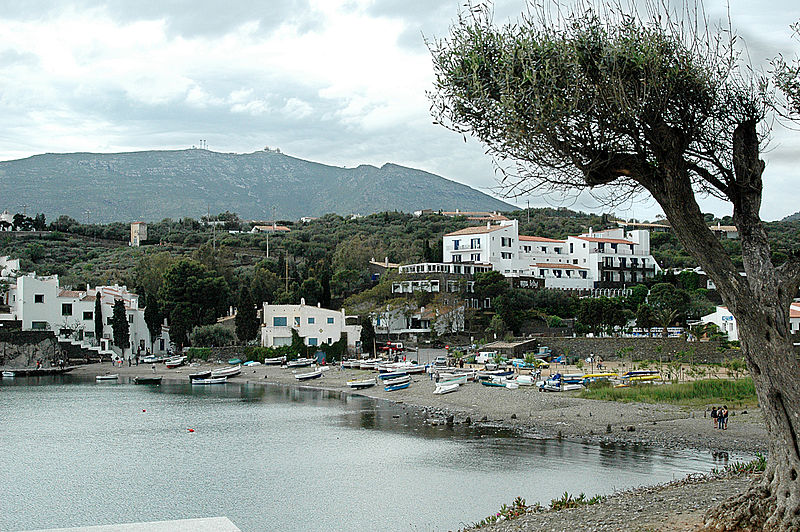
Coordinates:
[211,335]
[199,353]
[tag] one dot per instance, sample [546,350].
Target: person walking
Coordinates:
[714,416]
[724,418]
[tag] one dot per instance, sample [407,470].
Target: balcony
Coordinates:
[627,268]
[477,247]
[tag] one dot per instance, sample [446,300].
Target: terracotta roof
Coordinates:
[726,228]
[539,239]
[606,240]
[69,293]
[794,311]
[491,218]
[477,230]
[467,213]
[560,265]
[269,228]
[88,298]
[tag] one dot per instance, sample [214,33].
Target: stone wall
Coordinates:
[666,349]
[23,348]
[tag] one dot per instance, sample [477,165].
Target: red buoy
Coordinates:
[143,410]
[191,430]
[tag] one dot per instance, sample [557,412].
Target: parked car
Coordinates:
[540,363]
[441,360]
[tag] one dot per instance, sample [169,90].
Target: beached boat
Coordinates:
[300,363]
[359,384]
[214,380]
[275,361]
[442,389]
[175,362]
[457,380]
[147,380]
[392,387]
[200,375]
[639,373]
[496,384]
[392,375]
[107,377]
[234,361]
[226,372]
[8,374]
[598,377]
[644,378]
[369,364]
[397,380]
[252,363]
[484,375]
[308,376]
[526,380]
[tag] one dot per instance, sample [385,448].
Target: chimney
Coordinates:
[386,261]
[488,225]
[319,305]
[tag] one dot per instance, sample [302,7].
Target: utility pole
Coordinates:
[528,210]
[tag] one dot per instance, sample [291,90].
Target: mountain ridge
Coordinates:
[156,184]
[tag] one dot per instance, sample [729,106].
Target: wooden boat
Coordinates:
[107,377]
[359,384]
[457,380]
[484,375]
[147,380]
[300,363]
[234,361]
[200,375]
[511,385]
[276,361]
[252,363]
[392,375]
[393,387]
[226,372]
[442,389]
[496,384]
[310,375]
[396,381]
[525,380]
[175,362]
[215,380]
[8,374]
[639,373]
[368,364]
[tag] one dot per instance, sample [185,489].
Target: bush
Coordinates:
[211,336]
[199,353]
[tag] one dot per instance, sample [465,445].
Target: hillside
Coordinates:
[152,185]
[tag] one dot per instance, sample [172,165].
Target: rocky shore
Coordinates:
[676,506]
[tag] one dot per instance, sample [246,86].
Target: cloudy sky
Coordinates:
[340,82]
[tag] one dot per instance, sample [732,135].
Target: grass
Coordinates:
[739,392]
[757,465]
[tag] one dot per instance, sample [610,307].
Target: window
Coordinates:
[130,318]
[38,298]
[456,258]
[66,309]
[506,241]
[476,257]
[574,261]
[311,321]
[330,341]
[39,325]
[278,341]
[571,248]
[542,272]
[544,249]
[108,320]
[557,250]
[455,244]
[505,255]
[279,321]
[88,315]
[297,321]
[313,341]
[601,246]
[330,320]
[475,243]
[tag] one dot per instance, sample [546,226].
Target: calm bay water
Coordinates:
[75,453]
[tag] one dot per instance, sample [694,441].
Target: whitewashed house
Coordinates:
[723,319]
[316,324]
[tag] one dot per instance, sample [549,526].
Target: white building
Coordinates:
[317,325]
[138,233]
[606,259]
[723,319]
[9,267]
[444,320]
[39,303]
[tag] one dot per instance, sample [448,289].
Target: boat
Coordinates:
[598,377]
[275,361]
[511,385]
[200,375]
[252,363]
[175,362]
[234,361]
[8,374]
[458,380]
[359,384]
[147,380]
[392,375]
[392,387]
[484,375]
[226,372]
[107,377]
[496,384]
[639,373]
[442,389]
[525,380]
[300,363]
[308,376]
[396,381]
[368,364]
[214,380]
[644,378]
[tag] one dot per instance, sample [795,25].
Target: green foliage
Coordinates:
[699,392]
[214,335]
[198,353]
[756,465]
[98,317]
[517,509]
[119,325]
[247,322]
[153,317]
[367,334]
[568,501]
[736,367]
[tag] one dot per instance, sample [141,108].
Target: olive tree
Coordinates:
[647,103]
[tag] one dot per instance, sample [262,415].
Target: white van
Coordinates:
[485,356]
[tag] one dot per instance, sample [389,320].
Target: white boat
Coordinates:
[512,385]
[300,363]
[455,379]
[368,364]
[107,377]
[445,388]
[213,380]
[226,372]
[525,380]
[310,375]
[8,374]
[175,362]
[358,384]
[275,361]
[397,381]
[252,363]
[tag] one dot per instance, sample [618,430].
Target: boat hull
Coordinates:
[217,380]
[395,387]
[147,380]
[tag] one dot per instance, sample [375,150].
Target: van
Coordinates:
[485,356]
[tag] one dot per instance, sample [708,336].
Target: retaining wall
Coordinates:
[665,349]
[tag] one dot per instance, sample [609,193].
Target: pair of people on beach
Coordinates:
[719,417]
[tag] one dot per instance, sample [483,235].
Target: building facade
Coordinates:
[315,324]
[138,233]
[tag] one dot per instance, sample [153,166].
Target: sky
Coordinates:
[340,82]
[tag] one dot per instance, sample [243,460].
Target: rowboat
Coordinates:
[393,387]
[300,363]
[234,361]
[368,364]
[525,380]
[359,384]
[175,362]
[445,388]
[215,380]
[226,372]
[459,380]
[252,363]
[645,378]
[639,373]
[310,375]
[200,375]
[392,375]
[496,384]
[275,361]
[8,374]
[496,373]
[147,380]
[398,380]
[107,377]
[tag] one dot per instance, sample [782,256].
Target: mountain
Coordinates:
[792,217]
[152,185]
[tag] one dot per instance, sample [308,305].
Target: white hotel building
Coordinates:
[317,325]
[613,258]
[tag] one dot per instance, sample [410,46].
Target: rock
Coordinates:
[513,416]
[468,421]
[631,428]
[449,421]
[608,428]
[484,418]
